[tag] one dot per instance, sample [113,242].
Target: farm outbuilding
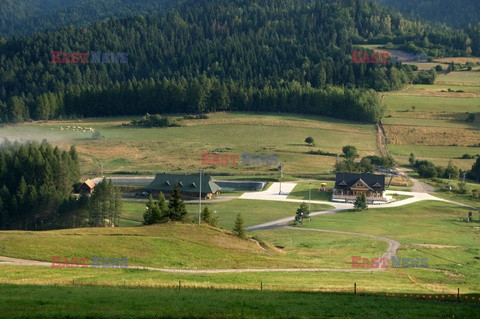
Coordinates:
[189,185]
[87,187]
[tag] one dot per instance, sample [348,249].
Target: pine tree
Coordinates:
[360,202]
[176,206]
[207,217]
[147,216]
[239,228]
[302,213]
[163,206]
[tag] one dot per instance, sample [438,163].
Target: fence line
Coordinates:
[457,296]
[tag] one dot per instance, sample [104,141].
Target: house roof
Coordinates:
[89,183]
[347,180]
[186,183]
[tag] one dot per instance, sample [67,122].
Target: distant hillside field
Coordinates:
[152,150]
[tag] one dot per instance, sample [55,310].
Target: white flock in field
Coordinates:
[77,129]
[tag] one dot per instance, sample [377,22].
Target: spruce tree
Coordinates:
[239,228]
[360,202]
[147,216]
[207,217]
[176,206]
[163,206]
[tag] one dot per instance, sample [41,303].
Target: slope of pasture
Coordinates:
[177,246]
[179,149]
[432,230]
[430,121]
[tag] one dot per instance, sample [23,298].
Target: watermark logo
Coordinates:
[96,57]
[247,159]
[397,262]
[376,57]
[97,262]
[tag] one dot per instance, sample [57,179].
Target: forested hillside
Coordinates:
[20,17]
[255,46]
[457,13]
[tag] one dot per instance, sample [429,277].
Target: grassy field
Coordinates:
[431,104]
[253,211]
[301,191]
[428,229]
[186,246]
[430,120]
[152,150]
[26,301]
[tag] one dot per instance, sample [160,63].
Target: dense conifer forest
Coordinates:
[248,51]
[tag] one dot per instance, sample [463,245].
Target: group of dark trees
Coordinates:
[35,181]
[367,164]
[104,206]
[217,55]
[160,212]
[36,190]
[427,169]
[155,120]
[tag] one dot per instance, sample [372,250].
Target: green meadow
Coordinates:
[22,301]
[432,104]
[178,149]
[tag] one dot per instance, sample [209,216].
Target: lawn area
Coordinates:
[427,229]
[179,149]
[302,189]
[461,78]
[253,211]
[43,301]
[333,250]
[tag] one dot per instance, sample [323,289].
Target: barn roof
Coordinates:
[186,183]
[89,183]
[347,180]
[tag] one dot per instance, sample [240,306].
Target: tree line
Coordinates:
[203,95]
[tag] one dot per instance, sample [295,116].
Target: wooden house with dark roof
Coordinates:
[189,185]
[348,186]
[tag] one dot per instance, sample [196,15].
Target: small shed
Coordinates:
[87,187]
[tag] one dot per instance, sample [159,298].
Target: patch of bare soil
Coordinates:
[433,136]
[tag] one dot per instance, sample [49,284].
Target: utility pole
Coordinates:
[309,195]
[200,200]
[281,175]
[464,176]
